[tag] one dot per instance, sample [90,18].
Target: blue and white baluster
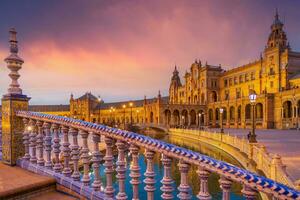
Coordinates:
[121,169]
[56,148]
[47,145]
[167,187]
[75,154]
[96,159]
[203,176]
[26,139]
[135,171]
[85,158]
[109,190]
[150,175]
[32,145]
[225,185]
[184,188]
[66,151]
[249,193]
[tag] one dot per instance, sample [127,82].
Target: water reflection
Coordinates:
[193,179]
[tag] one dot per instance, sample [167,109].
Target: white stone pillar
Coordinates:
[32,144]
[135,171]
[39,142]
[121,170]
[56,148]
[66,152]
[203,176]
[225,185]
[149,174]
[97,158]
[184,188]
[109,190]
[85,158]
[167,181]
[75,154]
[47,145]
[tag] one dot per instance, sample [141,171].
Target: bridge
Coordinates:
[56,148]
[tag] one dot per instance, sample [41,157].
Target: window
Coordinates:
[230,82]
[271,84]
[246,77]
[235,80]
[252,76]
[241,79]
[225,83]
[238,93]
[272,72]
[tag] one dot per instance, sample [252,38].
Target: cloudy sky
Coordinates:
[124,50]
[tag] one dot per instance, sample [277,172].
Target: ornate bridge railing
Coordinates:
[41,136]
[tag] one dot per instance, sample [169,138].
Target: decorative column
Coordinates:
[167,181]
[96,159]
[47,145]
[26,139]
[66,152]
[75,154]
[39,144]
[135,171]
[14,100]
[56,148]
[109,190]
[121,170]
[149,174]
[184,188]
[85,158]
[32,144]
[249,193]
[225,185]
[203,176]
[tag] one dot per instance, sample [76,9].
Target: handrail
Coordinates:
[248,179]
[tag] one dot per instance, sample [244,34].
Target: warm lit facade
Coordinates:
[275,77]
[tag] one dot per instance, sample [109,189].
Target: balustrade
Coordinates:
[75,157]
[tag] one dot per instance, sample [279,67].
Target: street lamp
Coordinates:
[99,100]
[221,112]
[199,120]
[130,105]
[124,107]
[252,136]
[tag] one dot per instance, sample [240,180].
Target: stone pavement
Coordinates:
[15,180]
[286,143]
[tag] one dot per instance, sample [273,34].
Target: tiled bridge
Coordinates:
[43,129]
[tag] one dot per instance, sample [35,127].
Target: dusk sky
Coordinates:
[124,50]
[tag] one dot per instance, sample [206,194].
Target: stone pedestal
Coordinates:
[12,127]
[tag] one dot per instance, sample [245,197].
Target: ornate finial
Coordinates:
[14,63]
[72,97]
[159,95]
[200,64]
[196,61]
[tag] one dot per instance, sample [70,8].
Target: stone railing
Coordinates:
[42,149]
[270,164]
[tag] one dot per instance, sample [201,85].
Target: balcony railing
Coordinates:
[43,138]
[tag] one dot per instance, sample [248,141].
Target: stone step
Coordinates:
[17,183]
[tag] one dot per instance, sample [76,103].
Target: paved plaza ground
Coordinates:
[286,143]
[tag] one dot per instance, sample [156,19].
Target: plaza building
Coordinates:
[274,77]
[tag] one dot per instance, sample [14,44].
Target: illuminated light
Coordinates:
[221,110]
[130,104]
[124,106]
[29,128]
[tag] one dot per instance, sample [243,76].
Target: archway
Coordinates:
[231,113]
[193,117]
[210,115]
[151,117]
[259,111]
[184,117]
[176,117]
[248,111]
[214,96]
[287,109]
[167,117]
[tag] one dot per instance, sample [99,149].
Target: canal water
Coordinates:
[193,179]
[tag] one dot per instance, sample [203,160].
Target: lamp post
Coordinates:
[252,136]
[130,105]
[199,120]
[99,100]
[221,112]
[124,107]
